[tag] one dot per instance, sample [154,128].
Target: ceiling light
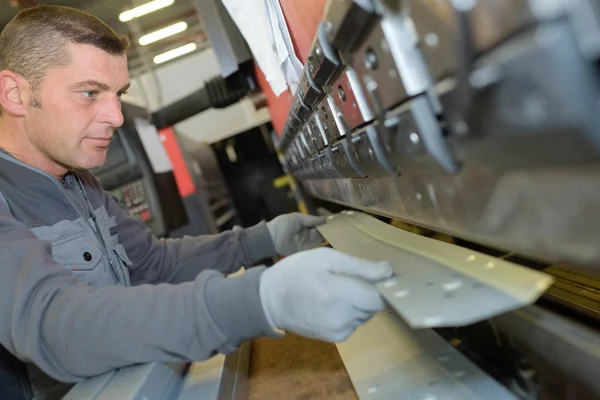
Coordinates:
[144,9]
[163,33]
[171,54]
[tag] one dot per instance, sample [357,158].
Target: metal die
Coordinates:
[347,22]
[308,90]
[324,62]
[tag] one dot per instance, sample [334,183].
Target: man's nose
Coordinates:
[111,112]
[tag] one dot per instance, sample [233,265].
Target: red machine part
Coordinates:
[302,18]
[184,180]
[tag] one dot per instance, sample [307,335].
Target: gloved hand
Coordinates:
[322,294]
[292,233]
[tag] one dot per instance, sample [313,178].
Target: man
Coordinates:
[84,287]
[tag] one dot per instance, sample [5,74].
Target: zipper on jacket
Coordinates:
[96,227]
[12,159]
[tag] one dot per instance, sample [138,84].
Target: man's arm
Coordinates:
[181,260]
[72,331]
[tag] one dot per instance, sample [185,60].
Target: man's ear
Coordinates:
[13,93]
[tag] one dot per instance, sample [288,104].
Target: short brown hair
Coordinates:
[36,38]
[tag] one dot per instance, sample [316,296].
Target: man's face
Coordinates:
[78,108]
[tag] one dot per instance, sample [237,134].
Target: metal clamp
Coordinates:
[349,154]
[301,109]
[432,135]
[370,154]
[292,126]
[323,63]
[374,62]
[347,22]
[341,162]
[341,159]
[309,91]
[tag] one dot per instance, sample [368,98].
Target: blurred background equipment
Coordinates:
[472,123]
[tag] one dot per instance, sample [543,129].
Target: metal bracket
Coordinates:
[292,125]
[370,154]
[322,124]
[309,91]
[347,22]
[301,109]
[432,135]
[323,63]
[329,165]
[379,149]
[344,162]
[350,100]
[351,156]
[373,61]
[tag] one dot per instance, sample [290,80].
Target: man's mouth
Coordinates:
[100,142]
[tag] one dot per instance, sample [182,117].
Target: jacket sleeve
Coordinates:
[181,260]
[72,331]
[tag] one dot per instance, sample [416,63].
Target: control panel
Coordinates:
[133,198]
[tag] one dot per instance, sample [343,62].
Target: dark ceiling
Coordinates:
[140,57]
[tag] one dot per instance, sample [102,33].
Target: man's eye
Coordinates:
[120,95]
[90,94]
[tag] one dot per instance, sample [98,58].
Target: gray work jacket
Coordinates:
[86,288]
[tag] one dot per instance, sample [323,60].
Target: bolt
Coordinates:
[432,39]
[370,60]
[341,93]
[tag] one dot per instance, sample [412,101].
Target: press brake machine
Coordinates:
[477,119]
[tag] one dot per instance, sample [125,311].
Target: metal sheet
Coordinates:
[436,284]
[386,360]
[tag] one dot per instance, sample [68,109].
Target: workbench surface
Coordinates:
[297,368]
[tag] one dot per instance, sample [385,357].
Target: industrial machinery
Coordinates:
[477,119]
[129,175]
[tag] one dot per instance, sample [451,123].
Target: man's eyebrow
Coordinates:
[97,85]
[91,84]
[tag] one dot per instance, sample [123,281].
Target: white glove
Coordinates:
[292,233]
[322,294]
